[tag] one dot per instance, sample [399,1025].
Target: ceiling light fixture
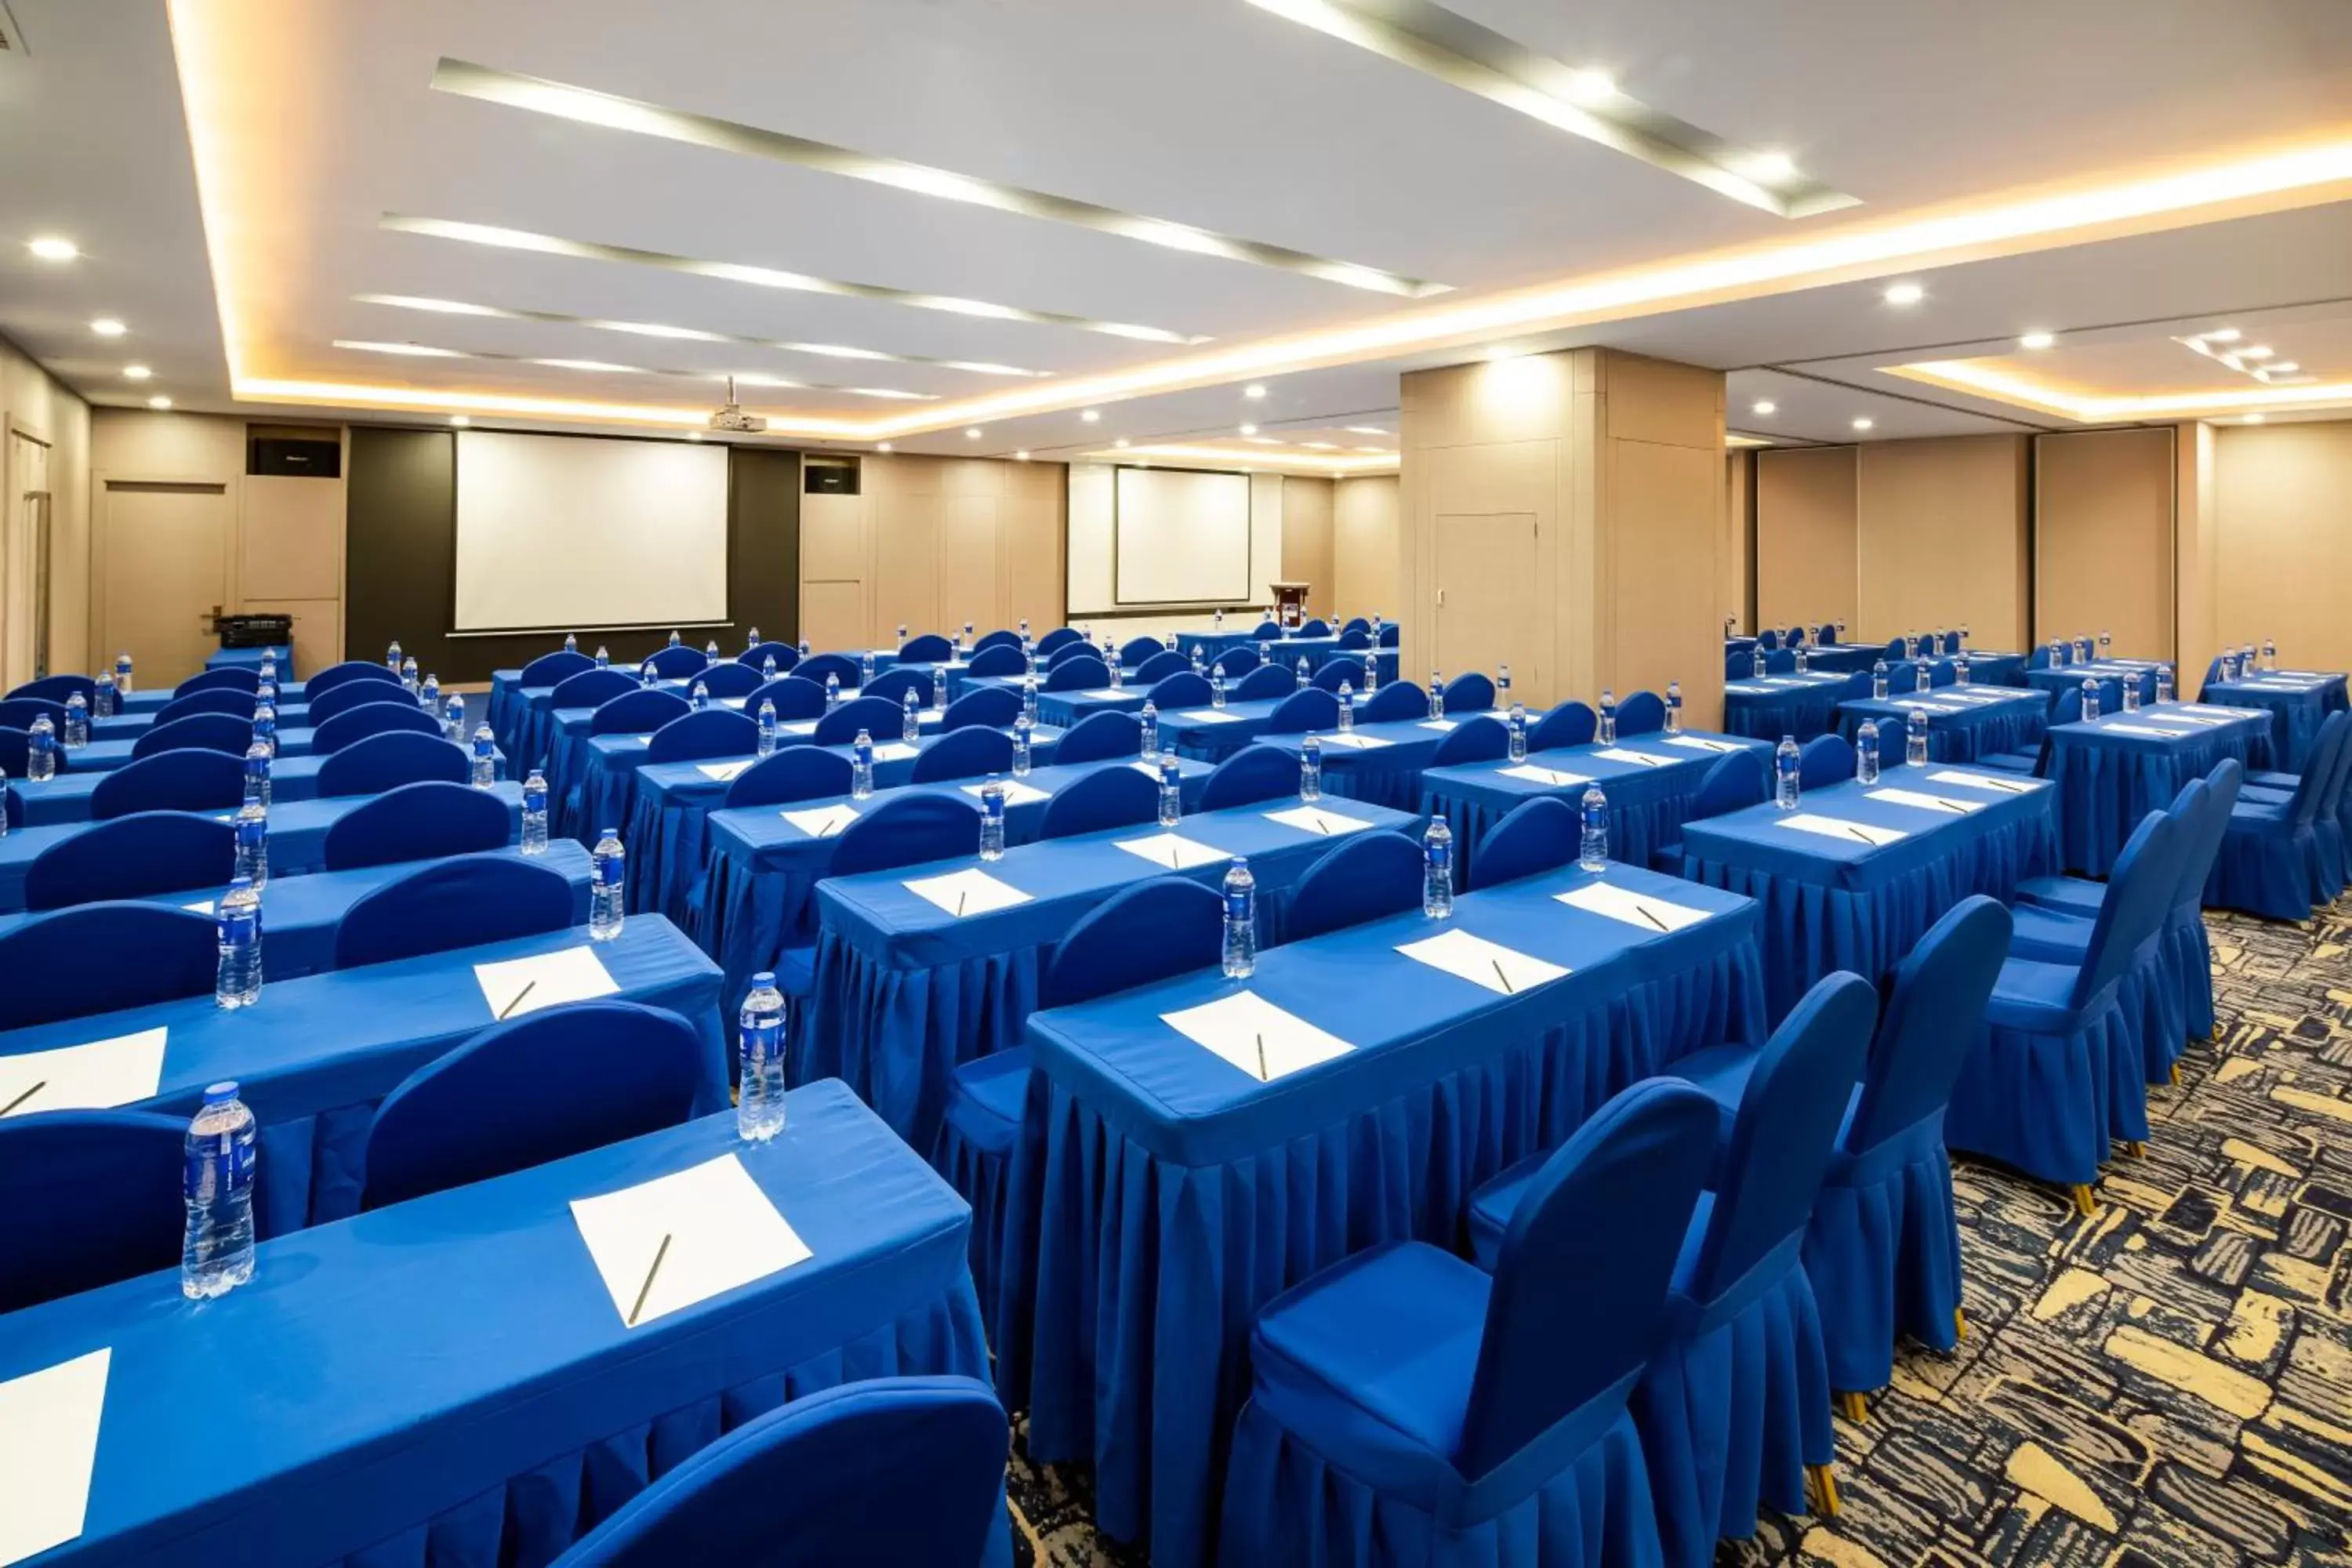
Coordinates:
[406,351]
[2259,350]
[972,433]
[460,420]
[136,373]
[158,403]
[2281,368]
[1763,405]
[2037,340]
[882,446]
[1020,456]
[49,248]
[1320,446]
[1501,353]
[1980,379]
[1382,451]
[2221,335]
[2254,419]
[1249,429]
[108,327]
[1589,87]
[1903,294]
[1773,168]
[1121,442]
[1090,415]
[1863,423]
[1253,391]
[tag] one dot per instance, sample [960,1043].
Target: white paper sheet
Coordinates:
[896,751]
[202,907]
[1173,850]
[1208,716]
[1836,827]
[821,822]
[1639,759]
[1993,782]
[1950,806]
[1015,792]
[1355,740]
[1924,706]
[1701,744]
[1441,725]
[2183,716]
[1533,773]
[95,1076]
[1643,910]
[1503,970]
[1315,819]
[1758,687]
[719,1229]
[967,893]
[2143,730]
[49,1446]
[1255,1036]
[798,727]
[520,985]
[1113,692]
[724,773]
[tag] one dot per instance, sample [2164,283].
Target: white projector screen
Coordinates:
[1180,537]
[558,531]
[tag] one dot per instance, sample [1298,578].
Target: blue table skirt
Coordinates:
[1387,775]
[250,658]
[2054,680]
[1803,711]
[2296,716]
[2106,787]
[1961,737]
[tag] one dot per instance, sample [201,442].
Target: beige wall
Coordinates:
[1808,536]
[1306,544]
[1940,539]
[2281,505]
[40,408]
[1365,545]
[2196,550]
[1733,588]
[2104,537]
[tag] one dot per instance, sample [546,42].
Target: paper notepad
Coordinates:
[821,822]
[1499,968]
[95,1076]
[968,892]
[1921,705]
[202,907]
[1207,716]
[1354,738]
[1701,744]
[520,985]
[1639,759]
[1533,773]
[895,751]
[1173,850]
[665,1245]
[1634,908]
[1984,781]
[641,740]
[1757,687]
[798,727]
[1925,801]
[1015,792]
[2182,716]
[2144,730]
[1255,1036]
[49,1446]
[1441,725]
[1110,693]
[1315,819]
[1836,827]
[723,773]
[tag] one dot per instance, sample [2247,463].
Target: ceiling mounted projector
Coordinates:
[733,418]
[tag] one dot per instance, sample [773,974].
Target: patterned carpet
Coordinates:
[2167,1384]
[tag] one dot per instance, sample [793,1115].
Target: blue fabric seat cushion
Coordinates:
[2033,996]
[2072,895]
[796,973]
[2265,796]
[2253,815]
[2051,936]
[2267,780]
[984,1100]
[2012,762]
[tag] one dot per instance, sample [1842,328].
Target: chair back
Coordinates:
[794,696]
[1304,712]
[15,752]
[107,1208]
[1827,760]
[1181,689]
[418,822]
[817,666]
[988,707]
[710,732]
[198,732]
[676,663]
[1905,675]
[893,684]
[1263,682]
[352,694]
[1057,639]
[1236,662]
[1737,781]
[1482,739]
[929,648]
[2038,658]
[1081,672]
[755,658]
[877,716]
[170,781]
[343,674]
[1534,836]
[385,761]
[1167,925]
[1469,693]
[1642,713]
[638,712]
[1108,797]
[1056,657]
[727,679]
[967,754]
[58,688]
[1741,666]
[1160,665]
[1392,703]
[996,659]
[1364,877]
[2066,708]
[463,901]
[910,830]
[998,638]
[549,668]
[1267,631]
[536,1088]
[2206,831]
[213,699]
[231,677]
[1937,1004]
[2139,895]
[592,688]
[2317,782]
[1135,650]
[1580,1277]
[1355,624]
[1336,673]
[1256,772]
[792,773]
[1354,638]
[18,713]
[1780,661]
[102,958]
[1894,648]
[356,725]
[1318,627]
[1101,737]
[1570,724]
[133,857]
[1391,635]
[1767,639]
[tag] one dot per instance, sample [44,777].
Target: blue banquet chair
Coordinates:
[1001,638]
[1355,624]
[1642,713]
[792,773]
[548,669]
[1736,781]
[1135,650]
[1338,672]
[1304,712]
[817,666]
[1364,877]
[1100,737]
[1398,701]
[15,748]
[1108,797]
[1470,693]
[1406,1406]
[170,781]
[539,1087]
[904,830]
[997,659]
[1767,639]
[466,900]
[237,704]
[1256,772]
[235,677]
[1264,683]
[58,688]
[1062,654]
[355,724]
[1055,641]
[103,958]
[638,712]
[1267,631]
[198,732]
[1534,836]
[1181,689]
[1237,662]
[109,1188]
[1354,637]
[727,678]
[1318,627]
[1823,761]
[697,736]
[2270,862]
[893,684]
[967,754]
[1084,673]
[417,822]
[793,696]
[929,647]
[1780,661]
[677,662]
[1570,724]
[990,707]
[1159,667]
[134,857]
[1481,739]
[385,761]
[2327,825]
[592,688]
[353,694]
[757,655]
[877,716]
[343,674]
[1741,666]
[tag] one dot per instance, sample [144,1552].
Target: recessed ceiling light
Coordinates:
[1121,442]
[1590,85]
[1020,456]
[2281,368]
[1903,294]
[108,327]
[1500,353]
[2260,351]
[1090,415]
[158,403]
[882,445]
[460,420]
[49,248]
[1383,451]
[1863,423]
[1763,405]
[2253,418]
[1366,430]
[2037,340]
[972,433]
[694,435]
[411,351]
[136,373]
[1252,390]
[1249,429]
[1769,167]
[2220,335]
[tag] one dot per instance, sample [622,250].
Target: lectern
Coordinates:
[1290,602]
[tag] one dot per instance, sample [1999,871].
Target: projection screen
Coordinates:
[1182,537]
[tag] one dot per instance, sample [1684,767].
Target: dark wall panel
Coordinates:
[402,521]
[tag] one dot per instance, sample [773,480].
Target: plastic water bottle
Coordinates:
[1310,770]
[1169,639]
[672,639]
[2269,656]
[2106,642]
[253,844]
[1516,722]
[237,927]
[865,669]
[608,866]
[753,639]
[265,727]
[1024,628]
[572,642]
[1172,791]
[257,773]
[452,719]
[710,650]
[1241,920]
[1964,637]
[1921,679]
[1503,686]
[2057,653]
[1217,688]
[1149,725]
[1865,752]
[485,757]
[1021,745]
[1914,740]
[910,719]
[122,686]
[1756,663]
[861,766]
[939,687]
[1110,662]
[429,694]
[2229,670]
[1960,668]
[760,1048]
[604,658]
[1200,664]
[2090,700]
[1303,674]
[804,646]
[41,752]
[1673,706]
[1265,651]
[1436,695]
[1437,871]
[391,657]
[535,814]
[1029,698]
[832,692]
[2164,683]
[1911,645]
[101,698]
[1217,620]
[1608,729]
[992,820]
[1592,850]
[1786,761]
[408,676]
[1347,695]
[766,745]
[964,641]
[646,675]
[1878,679]
[698,696]
[77,722]
[217,1185]
[1803,660]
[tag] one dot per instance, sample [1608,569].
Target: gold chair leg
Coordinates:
[1960,1322]
[2136,1149]
[2176,1073]
[2083,1200]
[1852,1406]
[1822,1483]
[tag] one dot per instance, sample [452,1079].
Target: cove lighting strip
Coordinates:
[2004,386]
[605,367]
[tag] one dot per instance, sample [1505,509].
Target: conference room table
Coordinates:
[314,1056]
[1650,781]
[251,657]
[1803,705]
[2112,770]
[1853,877]
[907,989]
[530,736]
[1378,764]
[103,756]
[67,797]
[456,1379]
[131,724]
[2070,678]
[1963,722]
[1988,667]
[2298,701]
[297,836]
[1167,1186]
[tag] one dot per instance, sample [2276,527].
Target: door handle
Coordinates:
[210,617]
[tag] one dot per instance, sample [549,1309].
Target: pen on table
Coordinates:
[1505,979]
[1858,833]
[1651,918]
[20,1100]
[959,899]
[647,1288]
[519,996]
[1317,818]
[1263,1076]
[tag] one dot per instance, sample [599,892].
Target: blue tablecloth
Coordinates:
[447,1383]
[1989,668]
[314,1056]
[107,752]
[2072,676]
[129,724]
[250,658]
[1647,802]
[1173,1194]
[1801,705]
[1834,903]
[2114,769]
[1382,766]
[1963,722]
[67,797]
[2298,701]
[906,991]
[297,838]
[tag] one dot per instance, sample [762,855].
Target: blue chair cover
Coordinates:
[1336,673]
[1085,672]
[1741,666]
[1236,662]
[464,901]
[2188,943]
[1391,635]
[1780,661]
[385,761]
[795,773]
[416,822]
[929,647]
[1079,648]
[1354,637]
[1181,689]
[827,1479]
[892,685]
[549,668]
[1264,682]
[712,733]
[1135,650]
[1160,665]
[1316,628]
[1470,693]
[1404,1407]
[356,725]
[1827,760]
[727,678]
[999,638]
[1254,772]
[990,707]
[1364,877]
[1642,713]
[533,1089]
[817,666]
[1141,933]
[1101,737]
[58,688]
[1267,631]
[1108,797]
[1767,639]
[967,754]
[592,688]
[134,857]
[200,732]
[230,701]
[15,747]
[230,678]
[358,694]
[676,663]
[638,712]
[1733,783]
[913,829]
[105,1204]
[12,805]
[757,655]
[1482,739]
[170,781]
[795,697]
[1302,711]
[1570,724]
[998,659]
[103,958]
[877,716]
[2270,862]
[342,674]
[1355,624]
[1398,700]
[1055,641]
[1534,836]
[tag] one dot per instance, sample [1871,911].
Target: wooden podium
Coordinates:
[1290,602]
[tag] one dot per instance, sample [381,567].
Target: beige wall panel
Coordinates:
[905,562]
[833,614]
[1365,544]
[1663,542]
[291,544]
[2197,548]
[318,630]
[1487,594]
[832,539]
[42,409]
[1733,568]
[2283,497]
[1031,534]
[136,443]
[2104,537]
[1806,536]
[1664,404]
[1941,539]
[1306,546]
[969,558]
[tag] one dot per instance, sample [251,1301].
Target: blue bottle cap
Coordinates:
[763,979]
[217,1092]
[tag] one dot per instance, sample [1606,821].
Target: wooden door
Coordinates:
[1486,591]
